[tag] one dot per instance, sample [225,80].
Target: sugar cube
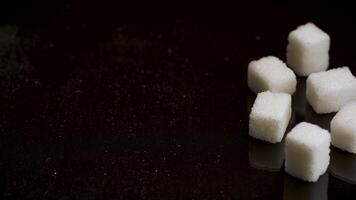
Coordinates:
[308,50]
[270,73]
[328,91]
[343,128]
[269,116]
[307,151]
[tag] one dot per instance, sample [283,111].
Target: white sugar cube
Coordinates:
[270,73]
[269,116]
[307,151]
[343,128]
[308,50]
[328,91]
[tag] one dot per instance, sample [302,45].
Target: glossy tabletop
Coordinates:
[109,101]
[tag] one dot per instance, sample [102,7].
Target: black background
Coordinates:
[118,100]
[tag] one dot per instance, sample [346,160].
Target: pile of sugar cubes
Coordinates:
[307,145]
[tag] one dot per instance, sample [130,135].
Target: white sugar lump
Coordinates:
[328,91]
[307,151]
[270,115]
[270,73]
[343,128]
[308,50]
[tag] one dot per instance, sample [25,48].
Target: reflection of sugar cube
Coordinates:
[295,189]
[308,50]
[265,156]
[270,73]
[307,151]
[343,128]
[270,116]
[343,165]
[330,90]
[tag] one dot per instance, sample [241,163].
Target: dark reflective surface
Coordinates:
[266,156]
[343,165]
[299,99]
[111,101]
[323,120]
[297,189]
